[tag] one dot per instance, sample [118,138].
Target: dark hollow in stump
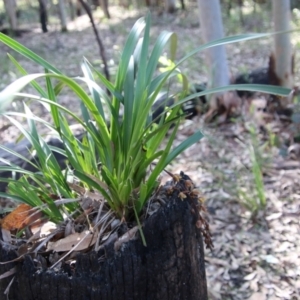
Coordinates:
[170,267]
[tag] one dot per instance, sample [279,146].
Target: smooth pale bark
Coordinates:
[282,43]
[212,29]
[63,15]
[11,10]
[72,9]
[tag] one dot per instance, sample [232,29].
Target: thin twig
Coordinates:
[101,46]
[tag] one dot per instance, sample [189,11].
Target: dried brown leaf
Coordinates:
[258,296]
[129,235]
[76,241]
[8,273]
[20,217]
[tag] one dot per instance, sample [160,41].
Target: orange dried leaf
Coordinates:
[19,218]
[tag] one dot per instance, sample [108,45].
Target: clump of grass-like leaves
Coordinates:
[118,149]
[255,198]
[121,154]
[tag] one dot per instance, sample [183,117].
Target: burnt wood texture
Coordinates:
[171,267]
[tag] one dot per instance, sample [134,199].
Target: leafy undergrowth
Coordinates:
[255,257]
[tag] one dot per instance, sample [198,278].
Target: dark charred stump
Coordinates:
[260,76]
[170,267]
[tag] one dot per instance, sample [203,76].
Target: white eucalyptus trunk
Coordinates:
[282,42]
[11,10]
[212,29]
[63,15]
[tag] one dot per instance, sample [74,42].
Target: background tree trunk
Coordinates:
[79,8]
[240,4]
[62,15]
[182,4]
[43,14]
[170,6]
[72,9]
[104,6]
[171,267]
[212,29]
[282,42]
[11,10]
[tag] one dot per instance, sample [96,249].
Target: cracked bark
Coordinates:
[170,267]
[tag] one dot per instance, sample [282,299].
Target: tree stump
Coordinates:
[170,267]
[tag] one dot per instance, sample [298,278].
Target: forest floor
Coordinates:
[253,257]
